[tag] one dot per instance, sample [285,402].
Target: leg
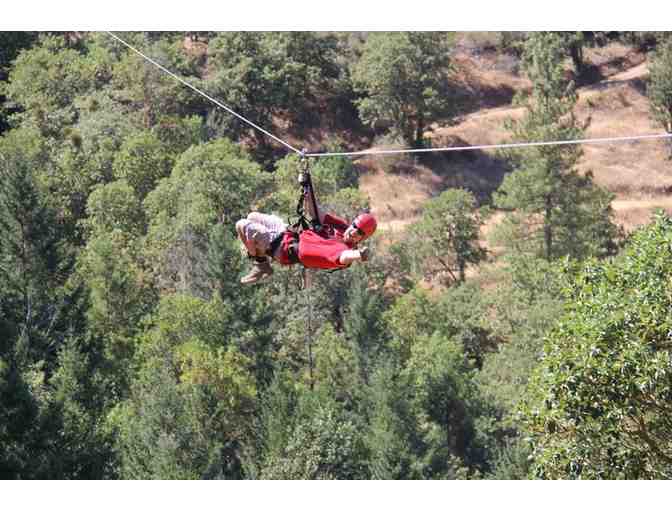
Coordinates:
[244,238]
[256,238]
[273,223]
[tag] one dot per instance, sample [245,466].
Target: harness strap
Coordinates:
[274,244]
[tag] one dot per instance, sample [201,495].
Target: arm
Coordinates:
[349,256]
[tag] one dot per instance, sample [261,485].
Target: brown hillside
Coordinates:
[638,172]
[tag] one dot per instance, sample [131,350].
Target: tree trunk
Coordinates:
[548,231]
[576,52]
[419,132]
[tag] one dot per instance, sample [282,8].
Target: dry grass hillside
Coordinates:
[615,104]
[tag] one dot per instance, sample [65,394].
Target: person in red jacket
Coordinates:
[332,246]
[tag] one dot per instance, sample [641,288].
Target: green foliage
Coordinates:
[190,405]
[152,93]
[445,240]
[363,317]
[337,367]
[265,73]
[574,42]
[442,396]
[660,86]
[403,77]
[32,259]
[558,212]
[459,314]
[187,427]
[598,405]
[410,316]
[46,79]
[18,414]
[83,448]
[11,44]
[128,348]
[180,318]
[120,291]
[85,159]
[210,182]
[389,437]
[142,160]
[325,445]
[334,180]
[115,206]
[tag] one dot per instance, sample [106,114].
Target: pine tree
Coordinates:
[32,270]
[660,86]
[557,211]
[389,437]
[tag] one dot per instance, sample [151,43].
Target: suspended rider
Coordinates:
[325,242]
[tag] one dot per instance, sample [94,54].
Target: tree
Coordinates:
[191,403]
[85,158]
[265,74]
[152,93]
[46,79]
[79,446]
[337,367]
[363,317]
[444,405]
[18,417]
[114,206]
[404,79]
[459,314]
[446,239]
[11,43]
[557,211]
[330,177]
[211,182]
[598,405]
[141,161]
[390,434]
[325,443]
[33,264]
[524,306]
[574,42]
[660,86]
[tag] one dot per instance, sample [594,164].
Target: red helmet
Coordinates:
[366,223]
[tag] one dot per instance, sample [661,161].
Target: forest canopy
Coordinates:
[129,349]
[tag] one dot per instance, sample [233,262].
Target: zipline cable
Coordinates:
[184,82]
[390,151]
[483,147]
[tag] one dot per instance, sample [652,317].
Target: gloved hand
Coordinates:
[364,254]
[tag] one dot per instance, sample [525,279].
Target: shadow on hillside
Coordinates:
[329,121]
[590,75]
[639,84]
[480,172]
[485,96]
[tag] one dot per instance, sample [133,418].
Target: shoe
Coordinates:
[260,271]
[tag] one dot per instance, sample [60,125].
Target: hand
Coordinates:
[303,178]
[364,254]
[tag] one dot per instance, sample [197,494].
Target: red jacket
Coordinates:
[318,250]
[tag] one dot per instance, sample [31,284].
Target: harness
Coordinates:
[290,237]
[307,187]
[286,245]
